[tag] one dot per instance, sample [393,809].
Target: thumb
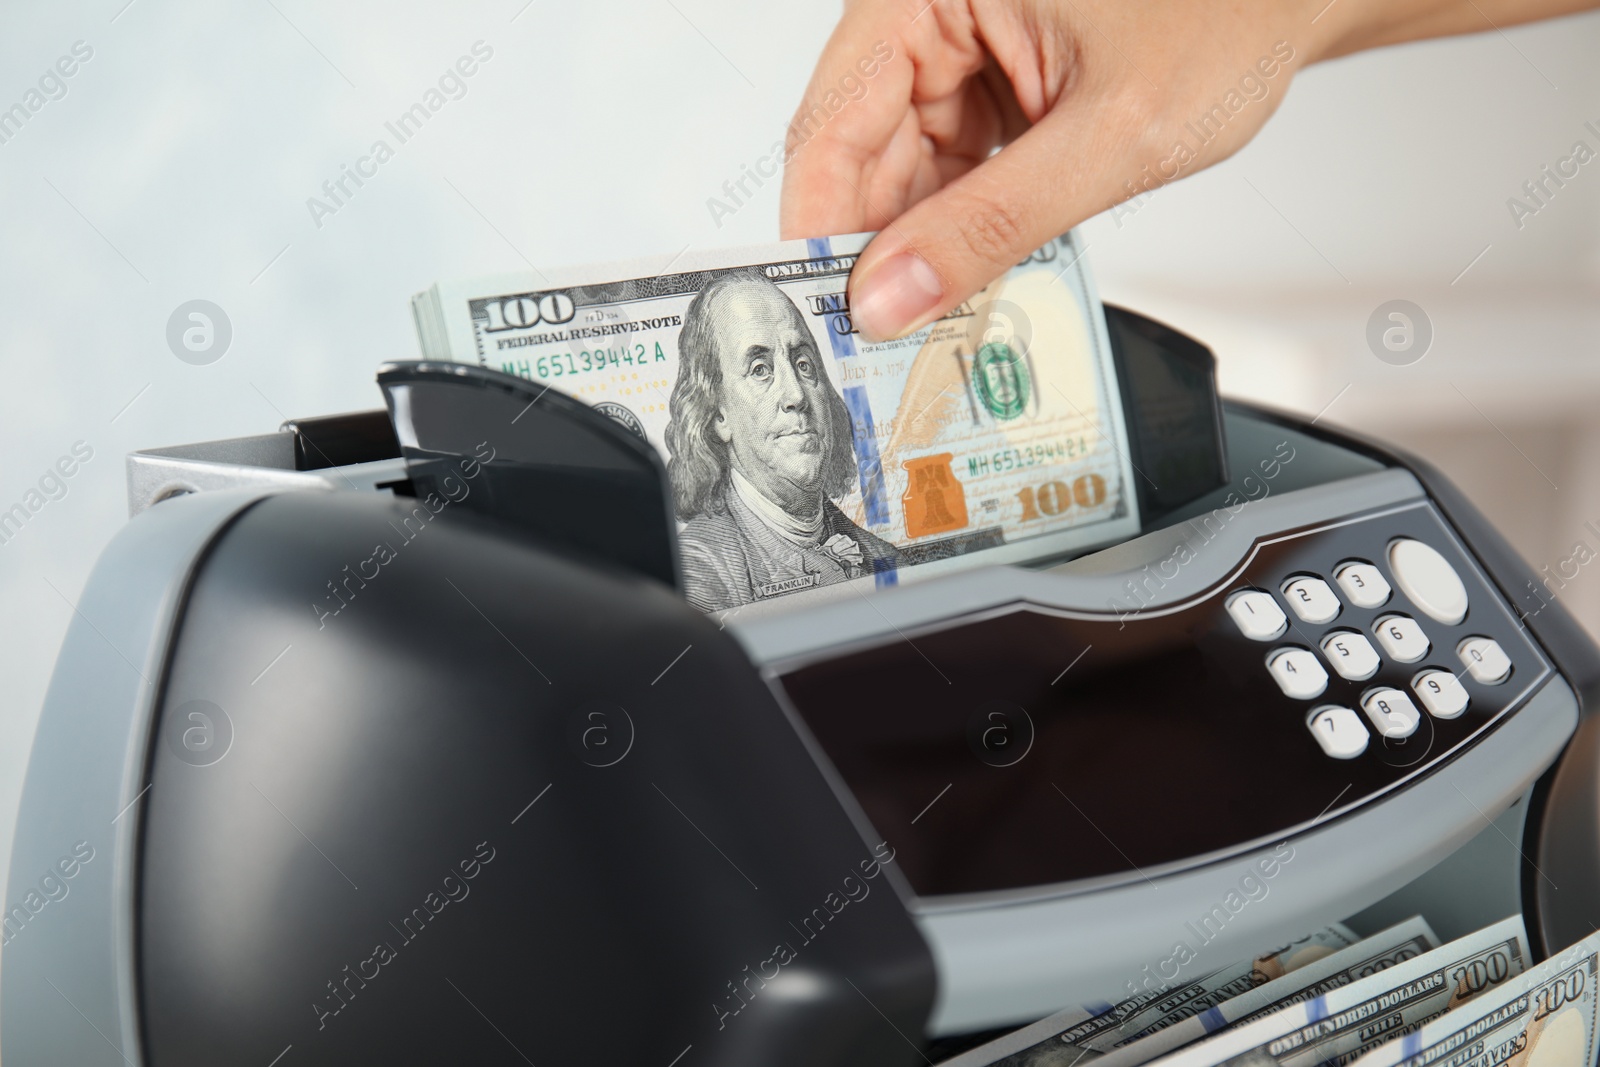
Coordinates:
[950,245]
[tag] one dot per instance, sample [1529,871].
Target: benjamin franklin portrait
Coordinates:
[760,447]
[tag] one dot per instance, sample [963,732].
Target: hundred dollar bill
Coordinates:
[1545,1017]
[1343,1024]
[1083,1035]
[1192,1022]
[802,456]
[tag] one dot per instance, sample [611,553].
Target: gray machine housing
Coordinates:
[1464,843]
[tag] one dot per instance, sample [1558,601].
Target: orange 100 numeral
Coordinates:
[1052,498]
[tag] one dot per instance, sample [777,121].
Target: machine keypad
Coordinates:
[1351,655]
[1312,600]
[1441,693]
[1485,660]
[1391,712]
[1363,584]
[1431,584]
[1401,638]
[1297,673]
[1339,731]
[1257,615]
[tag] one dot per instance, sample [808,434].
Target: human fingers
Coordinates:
[858,158]
[954,242]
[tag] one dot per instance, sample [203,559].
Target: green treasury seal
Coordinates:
[1001,379]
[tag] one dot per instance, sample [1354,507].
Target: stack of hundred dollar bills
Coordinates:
[802,455]
[1395,999]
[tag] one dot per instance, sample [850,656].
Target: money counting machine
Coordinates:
[387,738]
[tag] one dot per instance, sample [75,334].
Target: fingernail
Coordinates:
[898,292]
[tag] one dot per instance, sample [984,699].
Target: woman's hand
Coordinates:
[1095,101]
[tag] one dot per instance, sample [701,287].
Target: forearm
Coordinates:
[1356,25]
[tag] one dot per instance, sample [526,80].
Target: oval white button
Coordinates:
[1363,584]
[1257,615]
[1402,638]
[1339,731]
[1485,660]
[1429,580]
[1311,599]
[1351,654]
[1441,693]
[1392,712]
[1298,673]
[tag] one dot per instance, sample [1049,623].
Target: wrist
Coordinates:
[1348,26]
[1340,27]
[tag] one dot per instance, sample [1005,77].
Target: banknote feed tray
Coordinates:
[579,814]
[568,476]
[558,471]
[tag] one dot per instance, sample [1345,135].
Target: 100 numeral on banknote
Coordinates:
[802,456]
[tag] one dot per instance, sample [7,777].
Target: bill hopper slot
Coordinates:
[541,461]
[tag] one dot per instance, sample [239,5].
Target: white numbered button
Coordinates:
[1363,585]
[1428,580]
[1392,712]
[1351,655]
[1257,615]
[1441,694]
[1339,731]
[1311,599]
[1298,673]
[1485,660]
[1402,638]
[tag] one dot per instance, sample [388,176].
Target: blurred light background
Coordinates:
[179,163]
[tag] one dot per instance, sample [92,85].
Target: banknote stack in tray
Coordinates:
[1396,997]
[801,454]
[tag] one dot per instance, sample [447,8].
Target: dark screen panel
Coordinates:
[1155,738]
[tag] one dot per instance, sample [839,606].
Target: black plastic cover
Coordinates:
[423,793]
[1168,385]
[339,440]
[551,466]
